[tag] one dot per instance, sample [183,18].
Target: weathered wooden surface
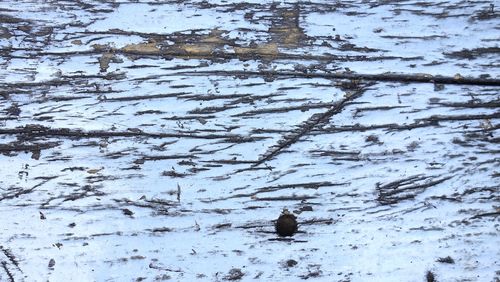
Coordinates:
[155,140]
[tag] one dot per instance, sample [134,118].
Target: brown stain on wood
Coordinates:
[284,32]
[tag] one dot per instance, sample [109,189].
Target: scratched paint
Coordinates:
[159,140]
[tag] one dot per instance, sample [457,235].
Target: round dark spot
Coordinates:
[286,225]
[291,263]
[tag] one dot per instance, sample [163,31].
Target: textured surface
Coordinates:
[159,140]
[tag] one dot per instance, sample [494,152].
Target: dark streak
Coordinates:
[7,271]
[415,78]
[306,127]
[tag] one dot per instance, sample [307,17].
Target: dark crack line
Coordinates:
[305,128]
[17,193]
[11,257]
[7,271]
[394,77]
[267,189]
[39,130]
[405,189]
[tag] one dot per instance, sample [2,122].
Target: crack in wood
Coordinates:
[20,191]
[7,271]
[435,118]
[306,127]
[393,77]
[40,130]
[11,257]
[267,189]
[407,188]
[486,214]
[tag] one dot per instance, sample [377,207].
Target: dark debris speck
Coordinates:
[430,277]
[291,263]
[447,259]
[234,274]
